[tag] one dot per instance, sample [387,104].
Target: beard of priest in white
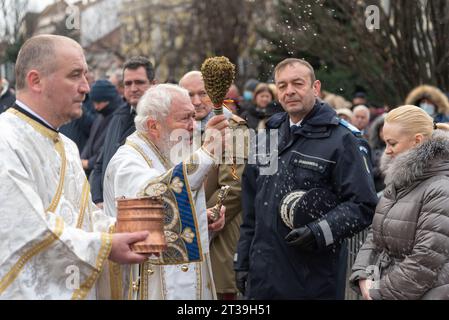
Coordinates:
[177,146]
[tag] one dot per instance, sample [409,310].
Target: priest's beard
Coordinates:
[176,145]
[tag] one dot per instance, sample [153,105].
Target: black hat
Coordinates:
[103,90]
[360,94]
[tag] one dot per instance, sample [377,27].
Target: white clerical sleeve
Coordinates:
[100,221]
[41,256]
[205,162]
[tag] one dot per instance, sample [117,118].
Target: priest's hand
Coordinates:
[121,251]
[219,224]
[216,135]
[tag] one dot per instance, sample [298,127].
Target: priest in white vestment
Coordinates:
[54,242]
[145,166]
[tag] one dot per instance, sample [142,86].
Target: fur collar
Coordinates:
[429,92]
[429,159]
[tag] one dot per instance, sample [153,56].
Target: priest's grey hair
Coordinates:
[155,104]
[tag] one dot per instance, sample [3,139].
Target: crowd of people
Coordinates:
[71,145]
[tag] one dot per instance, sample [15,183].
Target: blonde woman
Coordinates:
[406,253]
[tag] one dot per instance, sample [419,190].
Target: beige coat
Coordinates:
[224,244]
[408,245]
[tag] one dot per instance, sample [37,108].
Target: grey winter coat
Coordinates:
[407,248]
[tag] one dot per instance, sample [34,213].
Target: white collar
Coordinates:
[27,109]
[295,124]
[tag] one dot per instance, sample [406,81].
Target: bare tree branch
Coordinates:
[12,13]
[410,48]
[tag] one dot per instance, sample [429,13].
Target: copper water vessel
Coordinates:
[143,214]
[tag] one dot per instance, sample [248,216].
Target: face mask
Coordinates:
[248,95]
[428,107]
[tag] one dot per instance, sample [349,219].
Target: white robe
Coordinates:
[130,170]
[51,246]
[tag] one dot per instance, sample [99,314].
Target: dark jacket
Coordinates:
[377,150]
[253,115]
[98,133]
[121,126]
[407,247]
[78,130]
[322,153]
[7,100]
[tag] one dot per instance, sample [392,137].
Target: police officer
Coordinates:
[315,151]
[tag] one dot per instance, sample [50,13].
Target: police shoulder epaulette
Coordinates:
[350,127]
[364,150]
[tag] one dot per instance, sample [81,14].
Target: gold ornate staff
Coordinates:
[218,75]
[221,197]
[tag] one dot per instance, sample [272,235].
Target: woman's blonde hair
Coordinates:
[414,120]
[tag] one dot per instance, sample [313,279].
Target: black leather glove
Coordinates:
[302,238]
[241,278]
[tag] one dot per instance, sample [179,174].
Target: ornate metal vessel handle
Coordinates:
[222,194]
